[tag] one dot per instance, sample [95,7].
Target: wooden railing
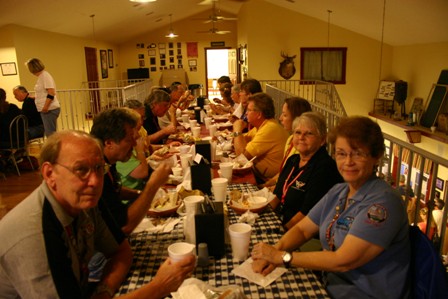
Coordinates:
[401,157]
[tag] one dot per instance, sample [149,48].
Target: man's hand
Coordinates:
[171,275]
[170,129]
[160,175]
[239,125]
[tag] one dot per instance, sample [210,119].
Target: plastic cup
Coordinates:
[179,251]
[240,240]
[226,170]
[177,171]
[212,129]
[208,122]
[196,132]
[219,187]
[184,149]
[193,123]
[191,201]
[185,160]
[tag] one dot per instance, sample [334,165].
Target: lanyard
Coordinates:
[286,185]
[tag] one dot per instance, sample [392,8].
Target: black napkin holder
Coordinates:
[201,177]
[203,147]
[209,222]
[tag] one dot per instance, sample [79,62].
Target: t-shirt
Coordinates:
[376,214]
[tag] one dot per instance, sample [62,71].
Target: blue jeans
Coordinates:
[35,132]
[50,120]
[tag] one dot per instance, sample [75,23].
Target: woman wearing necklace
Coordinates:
[307,175]
[362,225]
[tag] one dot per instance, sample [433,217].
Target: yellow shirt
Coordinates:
[267,143]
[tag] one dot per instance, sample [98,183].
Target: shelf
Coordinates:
[439,136]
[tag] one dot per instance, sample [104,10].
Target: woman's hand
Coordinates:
[264,257]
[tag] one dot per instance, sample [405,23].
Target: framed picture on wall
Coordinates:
[9,69]
[110,58]
[104,66]
[439,184]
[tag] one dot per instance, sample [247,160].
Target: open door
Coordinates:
[92,78]
[219,62]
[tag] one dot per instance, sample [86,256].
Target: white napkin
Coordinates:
[245,270]
[186,183]
[147,225]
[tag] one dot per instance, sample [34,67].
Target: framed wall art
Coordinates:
[110,58]
[104,66]
[8,68]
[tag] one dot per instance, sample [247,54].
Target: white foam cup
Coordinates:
[219,187]
[185,160]
[212,129]
[240,240]
[208,122]
[184,149]
[196,132]
[177,171]
[179,251]
[226,170]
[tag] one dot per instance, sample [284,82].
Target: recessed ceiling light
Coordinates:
[143,1]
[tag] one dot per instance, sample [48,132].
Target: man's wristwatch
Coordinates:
[287,258]
[236,134]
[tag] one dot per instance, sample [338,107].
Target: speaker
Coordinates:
[443,78]
[401,91]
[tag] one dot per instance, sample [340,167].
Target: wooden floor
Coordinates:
[16,188]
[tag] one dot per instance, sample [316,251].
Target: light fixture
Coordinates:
[171,33]
[143,1]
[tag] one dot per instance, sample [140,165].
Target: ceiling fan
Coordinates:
[216,16]
[215,30]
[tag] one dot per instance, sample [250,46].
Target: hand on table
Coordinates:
[264,257]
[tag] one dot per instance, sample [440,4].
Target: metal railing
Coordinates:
[421,168]
[79,106]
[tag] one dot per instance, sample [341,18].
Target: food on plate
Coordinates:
[235,195]
[166,201]
[162,151]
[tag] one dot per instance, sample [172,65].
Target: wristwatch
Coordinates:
[236,134]
[287,258]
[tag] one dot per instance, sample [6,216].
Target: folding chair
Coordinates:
[18,142]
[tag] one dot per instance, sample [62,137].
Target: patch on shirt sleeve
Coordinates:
[377,213]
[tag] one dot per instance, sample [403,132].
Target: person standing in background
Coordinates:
[35,125]
[46,100]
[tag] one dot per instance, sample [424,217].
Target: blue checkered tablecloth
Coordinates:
[150,251]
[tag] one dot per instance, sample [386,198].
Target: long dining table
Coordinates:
[150,251]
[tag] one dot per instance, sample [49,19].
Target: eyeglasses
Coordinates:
[306,134]
[252,110]
[355,155]
[83,172]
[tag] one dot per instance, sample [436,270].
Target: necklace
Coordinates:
[329,233]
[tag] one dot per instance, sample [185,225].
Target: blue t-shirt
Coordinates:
[377,215]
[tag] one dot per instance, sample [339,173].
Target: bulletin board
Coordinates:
[386,90]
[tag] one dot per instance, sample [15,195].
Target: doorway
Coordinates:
[92,78]
[219,62]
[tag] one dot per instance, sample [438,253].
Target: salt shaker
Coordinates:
[203,255]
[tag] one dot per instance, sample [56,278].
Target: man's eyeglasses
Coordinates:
[355,155]
[83,172]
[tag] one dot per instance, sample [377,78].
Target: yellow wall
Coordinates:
[62,55]
[187,30]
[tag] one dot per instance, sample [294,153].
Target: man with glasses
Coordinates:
[266,140]
[117,130]
[50,237]
[247,88]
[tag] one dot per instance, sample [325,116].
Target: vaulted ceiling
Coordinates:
[406,22]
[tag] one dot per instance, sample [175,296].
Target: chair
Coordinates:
[428,275]
[18,142]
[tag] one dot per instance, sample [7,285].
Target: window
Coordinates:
[326,64]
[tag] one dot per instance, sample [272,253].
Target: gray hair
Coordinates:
[133,104]
[313,119]
[157,96]
[21,88]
